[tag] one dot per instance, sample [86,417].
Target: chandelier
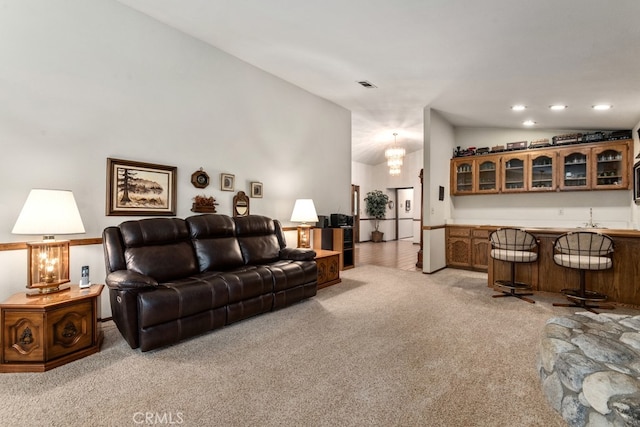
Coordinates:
[394,155]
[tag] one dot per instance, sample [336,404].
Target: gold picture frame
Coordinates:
[256,189]
[227,181]
[140,189]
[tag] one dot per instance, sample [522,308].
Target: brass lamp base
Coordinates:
[43,288]
[304,236]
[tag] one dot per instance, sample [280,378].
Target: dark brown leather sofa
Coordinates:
[171,278]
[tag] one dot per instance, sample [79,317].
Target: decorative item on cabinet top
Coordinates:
[558,140]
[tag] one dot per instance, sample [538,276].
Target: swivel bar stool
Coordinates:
[583,250]
[513,245]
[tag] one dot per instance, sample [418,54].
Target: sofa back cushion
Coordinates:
[159,247]
[257,239]
[215,243]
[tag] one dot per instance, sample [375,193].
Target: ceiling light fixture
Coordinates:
[395,156]
[528,123]
[602,107]
[558,107]
[518,107]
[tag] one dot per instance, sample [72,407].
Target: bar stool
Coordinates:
[583,250]
[513,245]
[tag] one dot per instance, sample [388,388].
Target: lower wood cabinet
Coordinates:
[467,247]
[328,267]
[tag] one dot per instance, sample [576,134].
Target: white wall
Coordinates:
[82,81]
[439,142]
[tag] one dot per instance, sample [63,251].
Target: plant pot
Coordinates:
[376,236]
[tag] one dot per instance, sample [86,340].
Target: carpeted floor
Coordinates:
[383,348]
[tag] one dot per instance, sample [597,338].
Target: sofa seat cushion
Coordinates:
[182,298]
[247,283]
[289,274]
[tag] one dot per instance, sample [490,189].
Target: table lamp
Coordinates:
[48,212]
[304,211]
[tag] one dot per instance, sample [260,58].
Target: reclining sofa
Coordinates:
[171,278]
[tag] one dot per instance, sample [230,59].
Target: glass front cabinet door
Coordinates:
[487,175]
[462,176]
[514,172]
[574,168]
[610,166]
[542,171]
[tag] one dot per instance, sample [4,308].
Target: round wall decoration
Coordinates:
[200,179]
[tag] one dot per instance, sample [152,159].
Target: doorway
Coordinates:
[355,211]
[405,208]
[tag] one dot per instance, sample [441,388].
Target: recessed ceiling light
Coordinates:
[528,123]
[557,107]
[602,107]
[518,107]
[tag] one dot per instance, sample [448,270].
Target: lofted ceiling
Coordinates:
[469,60]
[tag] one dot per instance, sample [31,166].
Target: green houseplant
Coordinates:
[376,209]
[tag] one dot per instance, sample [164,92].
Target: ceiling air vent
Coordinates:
[367,84]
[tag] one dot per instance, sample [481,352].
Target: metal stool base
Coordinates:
[512,288]
[580,298]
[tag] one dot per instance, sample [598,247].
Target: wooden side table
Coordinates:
[44,332]
[328,267]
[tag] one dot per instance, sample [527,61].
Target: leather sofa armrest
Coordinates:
[297,254]
[126,279]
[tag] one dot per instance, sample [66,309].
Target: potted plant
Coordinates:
[376,209]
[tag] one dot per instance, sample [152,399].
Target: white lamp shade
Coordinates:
[304,211]
[49,212]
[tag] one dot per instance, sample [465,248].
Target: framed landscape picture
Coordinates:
[141,189]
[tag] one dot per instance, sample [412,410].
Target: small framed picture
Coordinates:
[256,189]
[227,181]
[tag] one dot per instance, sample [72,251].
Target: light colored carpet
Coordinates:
[383,348]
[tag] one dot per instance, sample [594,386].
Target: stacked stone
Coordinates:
[589,365]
